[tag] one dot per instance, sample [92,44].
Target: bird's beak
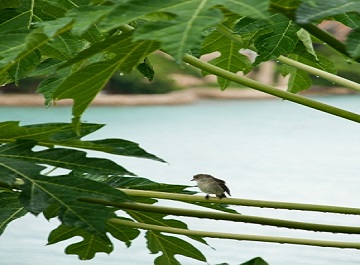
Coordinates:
[192,179]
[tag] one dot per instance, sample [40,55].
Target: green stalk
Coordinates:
[270,89]
[259,86]
[226,216]
[243,202]
[271,239]
[323,74]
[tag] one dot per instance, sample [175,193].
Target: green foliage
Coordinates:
[77,46]
[11,208]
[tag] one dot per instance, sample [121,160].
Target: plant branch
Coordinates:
[212,69]
[259,86]
[243,202]
[227,217]
[271,239]
[315,71]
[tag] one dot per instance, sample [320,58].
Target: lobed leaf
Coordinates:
[320,9]
[62,158]
[255,261]
[299,79]
[83,85]
[62,134]
[10,207]
[230,57]
[281,41]
[69,193]
[85,249]
[169,247]
[351,20]
[125,234]
[353,43]
[180,34]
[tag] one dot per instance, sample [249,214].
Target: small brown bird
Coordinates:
[211,185]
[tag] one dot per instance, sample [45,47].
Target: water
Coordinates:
[270,150]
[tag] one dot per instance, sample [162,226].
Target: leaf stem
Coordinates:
[227,216]
[271,239]
[244,202]
[270,89]
[317,72]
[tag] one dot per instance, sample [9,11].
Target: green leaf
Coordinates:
[146,69]
[47,88]
[83,85]
[62,158]
[351,20]
[17,46]
[50,134]
[281,41]
[305,38]
[85,249]
[9,4]
[179,35]
[255,261]
[308,12]
[69,193]
[159,219]
[169,247]
[85,16]
[123,233]
[11,208]
[353,43]
[141,184]
[299,80]
[230,57]
[13,20]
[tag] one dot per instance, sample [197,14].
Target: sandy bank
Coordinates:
[179,97]
[187,96]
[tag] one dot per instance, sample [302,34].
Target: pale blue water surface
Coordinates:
[264,149]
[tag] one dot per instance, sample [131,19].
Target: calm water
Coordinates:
[271,150]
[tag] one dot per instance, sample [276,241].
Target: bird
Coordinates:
[211,185]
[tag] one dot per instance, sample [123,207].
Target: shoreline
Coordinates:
[186,96]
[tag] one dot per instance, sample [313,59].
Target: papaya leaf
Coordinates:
[169,247]
[85,249]
[255,261]
[230,57]
[83,85]
[47,133]
[143,184]
[50,134]
[62,158]
[85,16]
[299,79]
[13,20]
[17,46]
[69,192]
[10,207]
[146,69]
[9,4]
[123,233]
[308,12]
[159,219]
[353,43]
[351,20]
[184,28]
[281,41]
